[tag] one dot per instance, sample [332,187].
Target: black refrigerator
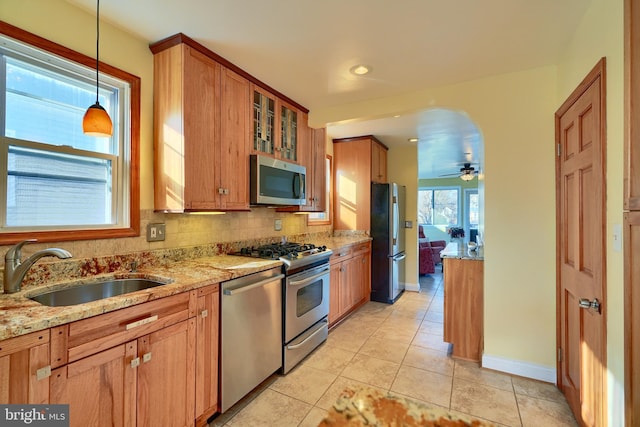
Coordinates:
[387,250]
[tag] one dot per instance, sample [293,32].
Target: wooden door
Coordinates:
[99,389]
[347,275]
[334,292]
[166,376]
[207,349]
[201,100]
[581,243]
[23,369]
[235,128]
[352,183]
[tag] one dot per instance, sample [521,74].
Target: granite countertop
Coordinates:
[362,406]
[454,250]
[19,315]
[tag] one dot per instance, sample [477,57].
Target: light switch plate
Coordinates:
[155,232]
[408,224]
[277,225]
[617,237]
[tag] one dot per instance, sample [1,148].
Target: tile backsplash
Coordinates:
[187,236]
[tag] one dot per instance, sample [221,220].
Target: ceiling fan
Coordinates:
[467,172]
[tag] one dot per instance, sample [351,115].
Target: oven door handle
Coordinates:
[247,288]
[308,279]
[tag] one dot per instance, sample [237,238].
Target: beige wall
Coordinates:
[601,35]
[65,24]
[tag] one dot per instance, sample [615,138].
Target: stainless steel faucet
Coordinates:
[15,270]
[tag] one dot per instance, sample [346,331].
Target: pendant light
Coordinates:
[96,121]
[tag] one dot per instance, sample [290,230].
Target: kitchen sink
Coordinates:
[95,291]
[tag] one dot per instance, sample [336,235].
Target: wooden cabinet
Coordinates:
[201,133]
[135,366]
[25,369]
[378,162]
[313,154]
[277,127]
[207,350]
[353,166]
[463,307]
[350,284]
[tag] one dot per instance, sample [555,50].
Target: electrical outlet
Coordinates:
[277,226]
[155,232]
[408,224]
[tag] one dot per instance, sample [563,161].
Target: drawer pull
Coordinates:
[142,322]
[135,362]
[204,313]
[146,357]
[43,373]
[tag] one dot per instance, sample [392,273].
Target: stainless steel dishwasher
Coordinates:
[251,333]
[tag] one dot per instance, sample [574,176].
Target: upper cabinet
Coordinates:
[209,116]
[199,120]
[276,126]
[378,162]
[357,162]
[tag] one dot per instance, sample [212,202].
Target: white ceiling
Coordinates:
[305,48]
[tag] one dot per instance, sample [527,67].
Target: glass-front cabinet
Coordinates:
[264,111]
[275,127]
[288,133]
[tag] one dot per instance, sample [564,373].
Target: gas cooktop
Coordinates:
[293,255]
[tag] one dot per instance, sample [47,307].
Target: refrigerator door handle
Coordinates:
[396,221]
[398,257]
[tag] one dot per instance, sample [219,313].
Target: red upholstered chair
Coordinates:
[426,259]
[425,255]
[429,249]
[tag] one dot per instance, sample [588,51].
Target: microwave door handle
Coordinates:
[297,192]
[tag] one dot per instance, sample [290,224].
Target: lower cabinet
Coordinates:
[207,350]
[146,382]
[350,284]
[25,369]
[463,307]
[154,364]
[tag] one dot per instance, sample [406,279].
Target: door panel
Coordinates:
[580,130]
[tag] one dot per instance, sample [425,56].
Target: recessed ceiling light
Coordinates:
[396,116]
[360,70]
[413,139]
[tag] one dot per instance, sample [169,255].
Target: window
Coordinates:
[438,206]
[57,183]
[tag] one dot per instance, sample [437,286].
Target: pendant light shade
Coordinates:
[96,121]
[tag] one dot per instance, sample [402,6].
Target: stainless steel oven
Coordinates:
[305,296]
[306,308]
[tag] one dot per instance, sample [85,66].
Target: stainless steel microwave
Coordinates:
[274,182]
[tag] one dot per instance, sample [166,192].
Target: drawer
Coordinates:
[341,254]
[361,248]
[88,336]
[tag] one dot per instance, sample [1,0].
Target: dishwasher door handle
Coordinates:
[252,286]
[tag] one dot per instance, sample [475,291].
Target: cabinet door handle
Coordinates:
[204,313]
[135,362]
[146,357]
[141,322]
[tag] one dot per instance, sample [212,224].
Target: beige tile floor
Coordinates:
[399,349]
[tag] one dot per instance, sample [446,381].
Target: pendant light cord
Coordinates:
[97,49]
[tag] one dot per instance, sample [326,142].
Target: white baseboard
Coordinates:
[412,287]
[518,367]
